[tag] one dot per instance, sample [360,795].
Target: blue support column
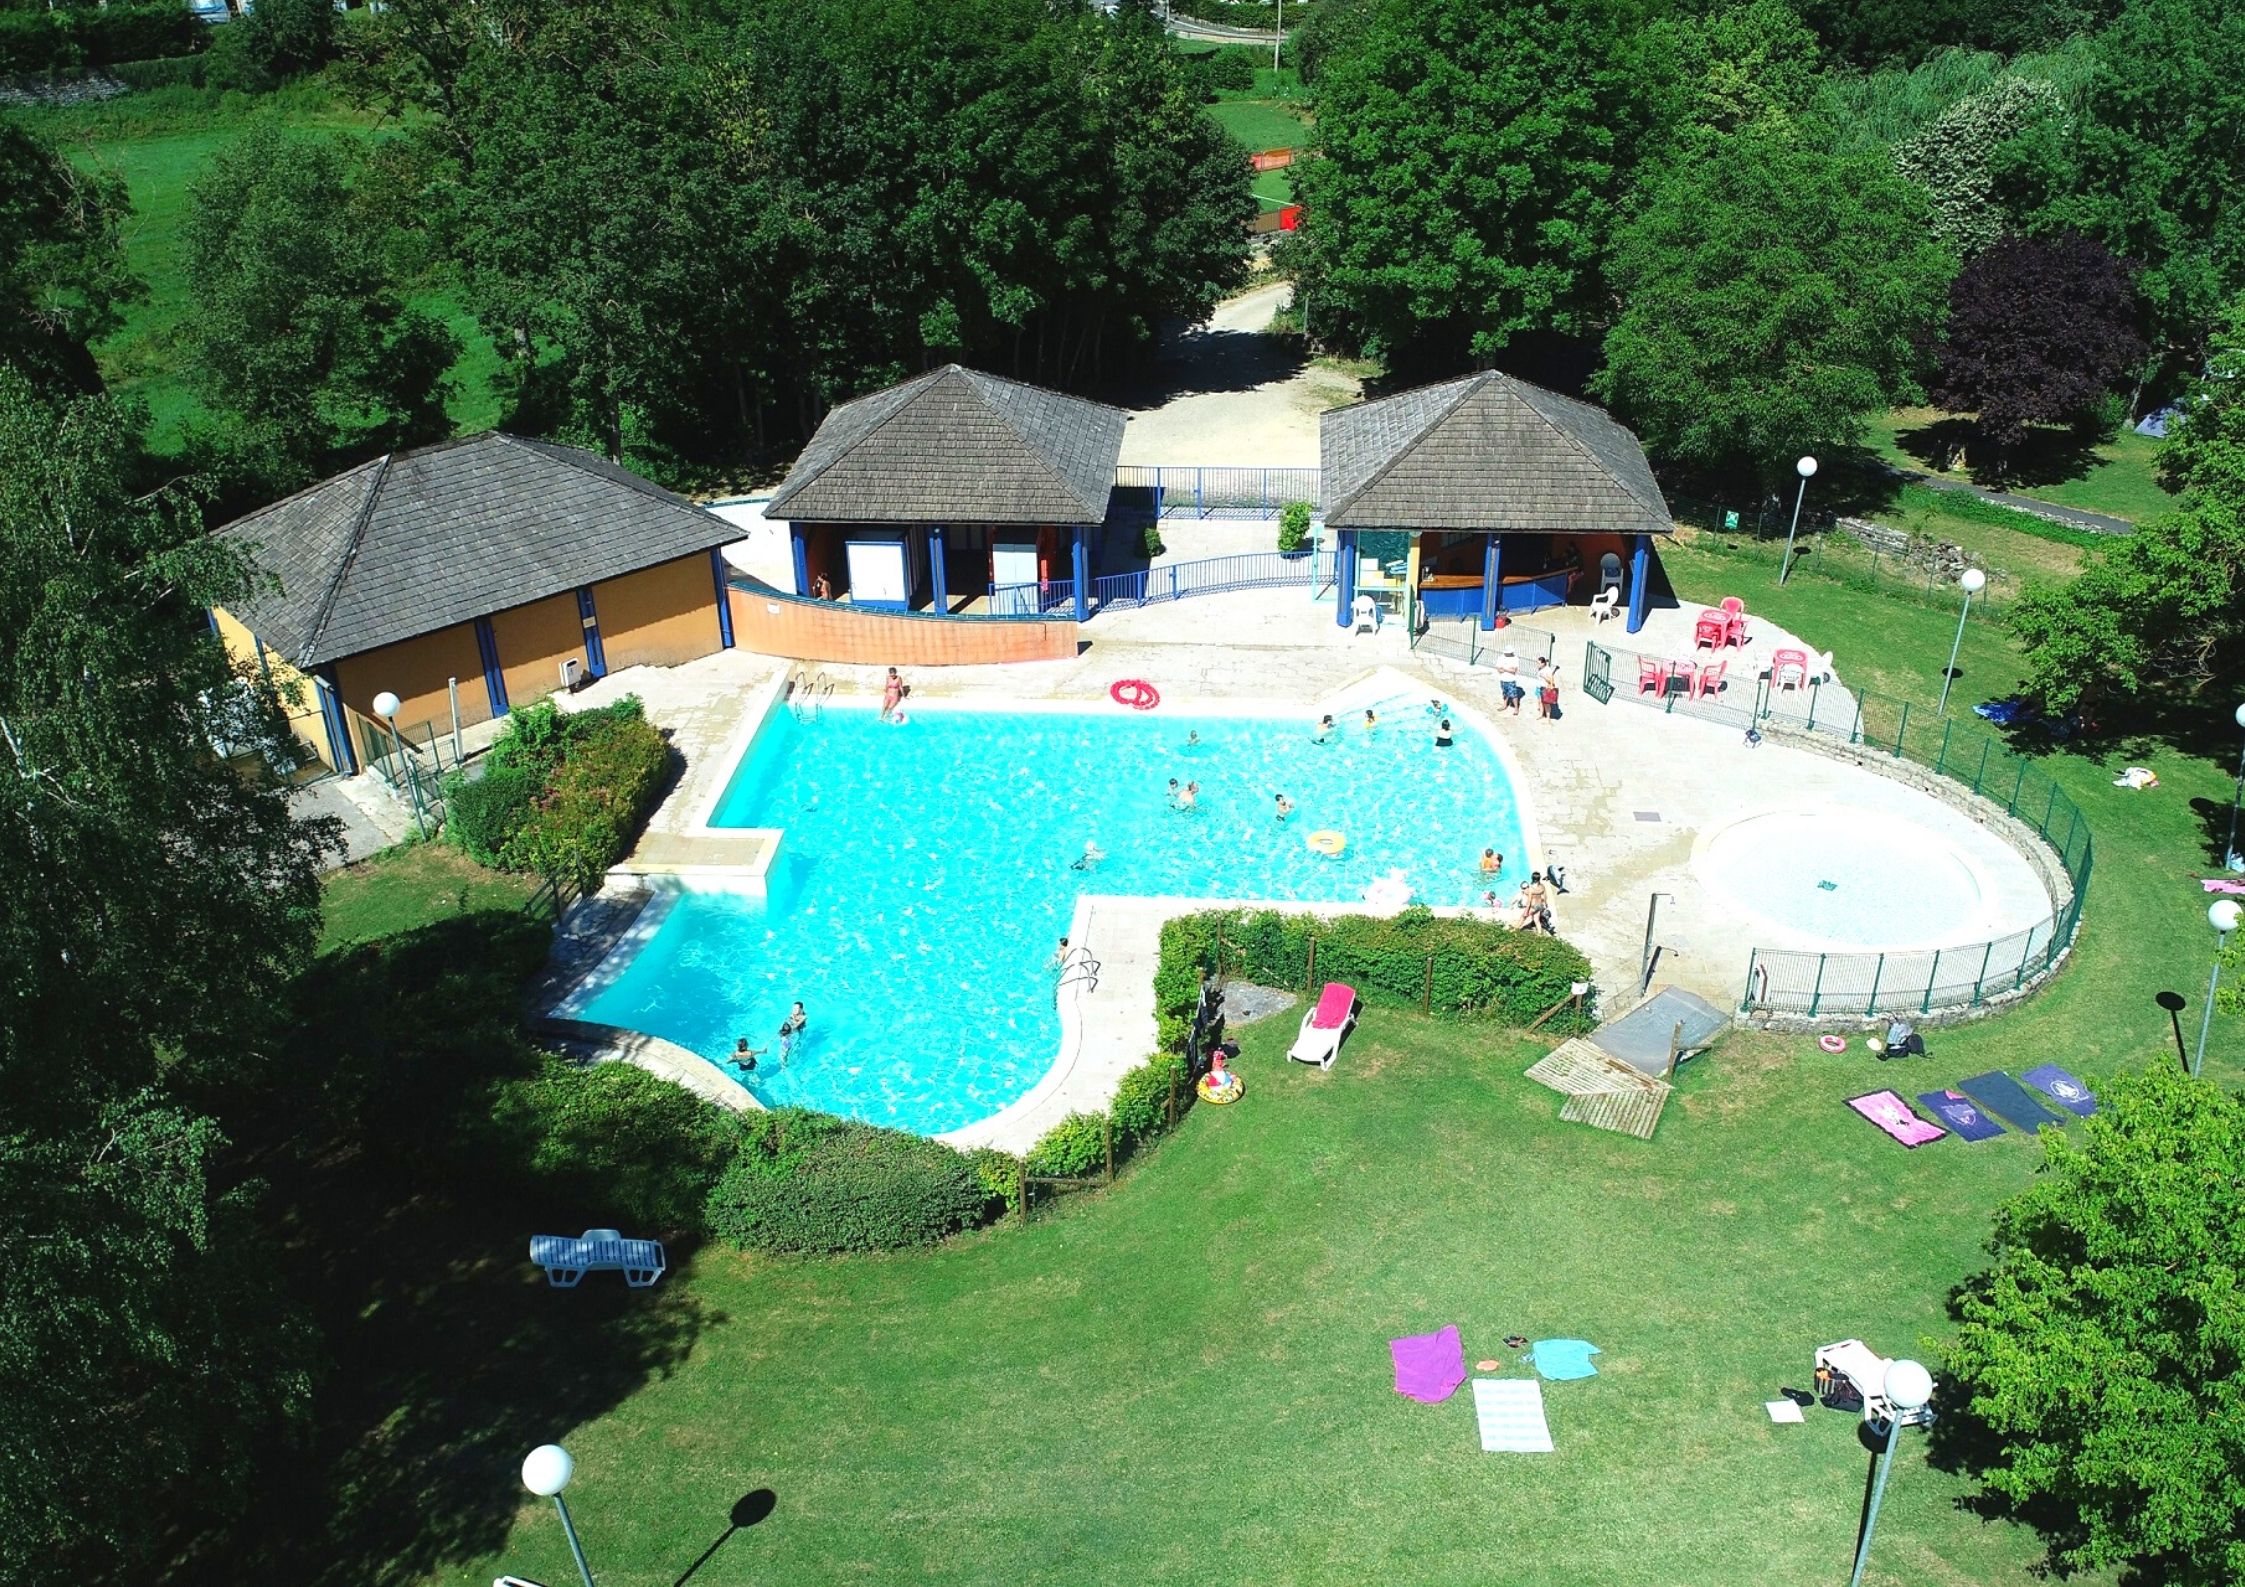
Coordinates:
[596,659]
[1492,583]
[340,753]
[1640,576]
[1344,576]
[802,559]
[935,570]
[724,598]
[1082,566]
[494,679]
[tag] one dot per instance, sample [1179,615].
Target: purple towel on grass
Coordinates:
[1960,1113]
[2063,1089]
[1429,1367]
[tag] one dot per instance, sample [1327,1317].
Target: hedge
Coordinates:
[562,795]
[809,1183]
[617,1144]
[172,71]
[1479,970]
[46,41]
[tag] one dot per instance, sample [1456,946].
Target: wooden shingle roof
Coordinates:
[1487,452]
[417,541]
[957,446]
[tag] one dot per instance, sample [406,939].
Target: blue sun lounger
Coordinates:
[568,1258]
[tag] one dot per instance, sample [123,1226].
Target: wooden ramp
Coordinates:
[1601,1091]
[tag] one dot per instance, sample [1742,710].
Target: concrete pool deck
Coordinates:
[1619,794]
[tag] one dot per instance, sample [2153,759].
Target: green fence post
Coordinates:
[2071,827]
[1979,980]
[1816,992]
[1878,972]
[1813,690]
[2012,808]
[2049,807]
[1931,975]
[1901,727]
[1753,959]
[1982,771]
[1855,729]
[1941,759]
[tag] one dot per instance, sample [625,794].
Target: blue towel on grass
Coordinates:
[2008,1100]
[1560,1359]
[2071,1094]
[1961,1114]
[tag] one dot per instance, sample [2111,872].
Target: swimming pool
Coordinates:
[1848,878]
[926,874]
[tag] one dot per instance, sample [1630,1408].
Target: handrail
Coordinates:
[1083,971]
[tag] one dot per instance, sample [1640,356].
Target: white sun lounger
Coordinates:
[1864,1367]
[1325,1025]
[568,1258]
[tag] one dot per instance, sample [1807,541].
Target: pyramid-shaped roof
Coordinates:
[417,541]
[1487,452]
[957,446]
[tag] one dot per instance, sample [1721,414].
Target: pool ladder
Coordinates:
[806,693]
[1083,971]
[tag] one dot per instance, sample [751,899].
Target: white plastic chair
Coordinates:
[1605,604]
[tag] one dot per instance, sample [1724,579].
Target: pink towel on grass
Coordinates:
[2220,884]
[1429,1367]
[1891,1114]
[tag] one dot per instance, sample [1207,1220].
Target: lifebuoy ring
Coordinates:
[1219,1099]
[1832,1043]
[1326,841]
[1136,693]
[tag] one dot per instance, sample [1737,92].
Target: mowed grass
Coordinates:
[2116,477]
[160,146]
[412,885]
[1186,1379]
[1260,123]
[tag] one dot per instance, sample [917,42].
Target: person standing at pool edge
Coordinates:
[1508,679]
[892,694]
[1547,687]
[791,1031]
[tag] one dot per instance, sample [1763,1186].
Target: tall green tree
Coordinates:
[1951,158]
[63,278]
[2104,1349]
[300,337]
[154,901]
[1772,296]
[1469,165]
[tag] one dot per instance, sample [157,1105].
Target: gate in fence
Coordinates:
[1598,672]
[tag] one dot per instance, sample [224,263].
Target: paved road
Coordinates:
[1194,28]
[2094,522]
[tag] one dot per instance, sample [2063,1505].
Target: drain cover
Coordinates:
[1648,815]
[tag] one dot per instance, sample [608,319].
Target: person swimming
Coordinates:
[1090,858]
[1371,719]
[743,1057]
[1188,797]
[1442,734]
[1491,862]
[1285,806]
[1324,733]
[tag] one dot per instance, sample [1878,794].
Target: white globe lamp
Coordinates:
[2222,914]
[387,706]
[1974,581]
[1908,1386]
[547,1469]
[1805,467]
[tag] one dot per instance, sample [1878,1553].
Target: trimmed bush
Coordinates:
[46,41]
[484,815]
[1224,70]
[1141,1106]
[563,794]
[1294,526]
[1075,1148]
[808,1184]
[619,1144]
[1480,970]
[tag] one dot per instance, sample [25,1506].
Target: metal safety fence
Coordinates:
[1173,581]
[1466,641]
[1920,981]
[1221,492]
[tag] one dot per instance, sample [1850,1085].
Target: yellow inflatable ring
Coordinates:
[1326,841]
[1218,1099]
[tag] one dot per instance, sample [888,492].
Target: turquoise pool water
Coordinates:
[925,877]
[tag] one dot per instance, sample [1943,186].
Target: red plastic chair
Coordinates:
[1651,675]
[1710,679]
[1793,662]
[1711,632]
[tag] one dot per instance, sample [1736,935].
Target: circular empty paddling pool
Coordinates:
[1846,877]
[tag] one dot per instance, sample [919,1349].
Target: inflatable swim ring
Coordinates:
[898,719]
[1225,1098]
[1832,1043]
[1326,841]
[1136,693]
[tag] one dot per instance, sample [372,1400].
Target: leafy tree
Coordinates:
[300,337]
[154,900]
[1749,64]
[2038,331]
[2163,604]
[1869,32]
[1468,174]
[63,277]
[1950,159]
[1772,295]
[2105,1347]
[2151,168]
[279,39]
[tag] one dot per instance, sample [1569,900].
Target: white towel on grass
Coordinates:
[1510,1411]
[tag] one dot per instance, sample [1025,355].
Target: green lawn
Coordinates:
[410,886]
[159,145]
[1184,1379]
[1260,123]
[2116,477]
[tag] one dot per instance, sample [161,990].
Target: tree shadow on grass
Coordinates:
[2045,455]
[401,1218]
[1206,360]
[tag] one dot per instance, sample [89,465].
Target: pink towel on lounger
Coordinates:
[1334,1005]
[1429,1367]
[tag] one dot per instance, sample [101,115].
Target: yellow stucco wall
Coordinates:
[533,642]
[299,695]
[416,670]
[659,616]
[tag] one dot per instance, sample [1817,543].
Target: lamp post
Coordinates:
[1806,468]
[1972,583]
[2231,859]
[546,1470]
[387,706]
[1278,34]
[2222,916]
[1908,1386]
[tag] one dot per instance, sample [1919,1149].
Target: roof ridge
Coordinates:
[1576,441]
[1466,384]
[334,591]
[1044,458]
